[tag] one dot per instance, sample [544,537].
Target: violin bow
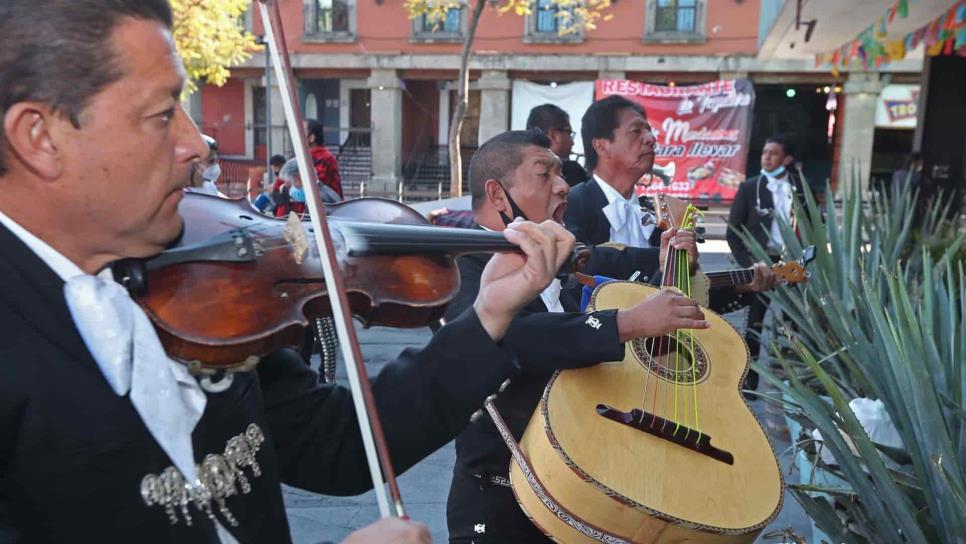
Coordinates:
[377,453]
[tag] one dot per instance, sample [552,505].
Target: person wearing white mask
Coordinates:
[759,201]
[207,171]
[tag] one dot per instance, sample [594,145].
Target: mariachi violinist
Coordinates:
[103,438]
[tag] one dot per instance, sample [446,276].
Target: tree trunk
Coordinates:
[462,101]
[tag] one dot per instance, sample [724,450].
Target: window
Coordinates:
[547,19]
[449,28]
[330,20]
[259,115]
[675,15]
[675,21]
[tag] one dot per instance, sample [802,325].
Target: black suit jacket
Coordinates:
[544,342]
[752,210]
[72,453]
[585,217]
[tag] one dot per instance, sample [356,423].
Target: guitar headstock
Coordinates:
[794,272]
[673,212]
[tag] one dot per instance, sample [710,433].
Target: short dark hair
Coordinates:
[599,121]
[547,116]
[314,127]
[59,52]
[788,148]
[277,160]
[499,156]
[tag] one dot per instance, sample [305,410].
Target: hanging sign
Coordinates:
[702,134]
[897,106]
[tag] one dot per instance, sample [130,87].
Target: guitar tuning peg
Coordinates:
[699,230]
[700,240]
[648,219]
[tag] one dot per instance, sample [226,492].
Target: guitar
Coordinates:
[658,448]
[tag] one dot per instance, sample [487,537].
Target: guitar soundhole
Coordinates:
[677,360]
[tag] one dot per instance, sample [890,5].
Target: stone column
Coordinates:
[494,86]
[861,91]
[386,114]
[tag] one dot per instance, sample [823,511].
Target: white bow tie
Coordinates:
[620,211]
[127,349]
[778,185]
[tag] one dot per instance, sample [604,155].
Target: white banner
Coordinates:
[573,98]
[897,106]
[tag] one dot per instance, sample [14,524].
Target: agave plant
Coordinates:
[881,317]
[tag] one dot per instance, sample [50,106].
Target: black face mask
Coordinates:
[517,212]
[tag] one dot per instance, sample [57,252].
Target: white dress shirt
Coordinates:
[551,297]
[157,420]
[781,195]
[625,217]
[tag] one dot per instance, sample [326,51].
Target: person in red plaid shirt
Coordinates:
[326,167]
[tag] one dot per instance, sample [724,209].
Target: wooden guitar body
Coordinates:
[651,478]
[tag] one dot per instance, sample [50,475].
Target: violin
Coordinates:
[238,284]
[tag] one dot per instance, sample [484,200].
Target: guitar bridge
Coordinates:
[668,430]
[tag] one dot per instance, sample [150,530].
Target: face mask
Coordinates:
[211,173]
[774,173]
[517,212]
[296,194]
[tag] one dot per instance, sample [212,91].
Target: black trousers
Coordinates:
[481,512]
[756,317]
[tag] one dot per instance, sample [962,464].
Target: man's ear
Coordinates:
[33,130]
[788,160]
[496,196]
[600,146]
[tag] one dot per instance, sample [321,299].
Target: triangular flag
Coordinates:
[960,38]
[960,13]
[896,50]
[902,8]
[949,22]
[891,14]
[880,29]
[948,47]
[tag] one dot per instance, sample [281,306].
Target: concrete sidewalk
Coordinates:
[316,518]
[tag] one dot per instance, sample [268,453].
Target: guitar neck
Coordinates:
[730,278]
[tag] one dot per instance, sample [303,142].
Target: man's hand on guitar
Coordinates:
[391,531]
[511,280]
[680,239]
[661,313]
[765,279]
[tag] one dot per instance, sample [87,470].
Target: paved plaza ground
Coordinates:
[317,519]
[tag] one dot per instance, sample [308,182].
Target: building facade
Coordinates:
[384,85]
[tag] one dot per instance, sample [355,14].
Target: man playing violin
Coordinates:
[103,438]
[515,174]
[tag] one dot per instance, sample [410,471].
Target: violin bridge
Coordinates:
[296,235]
